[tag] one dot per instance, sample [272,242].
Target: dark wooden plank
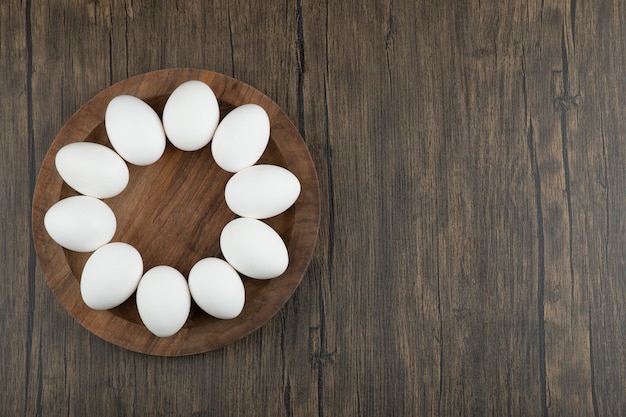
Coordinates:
[318,292]
[565,202]
[69,66]
[592,109]
[486,266]
[363,308]
[16,255]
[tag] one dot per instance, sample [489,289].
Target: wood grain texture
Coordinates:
[471,160]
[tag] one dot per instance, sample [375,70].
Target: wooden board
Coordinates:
[173,212]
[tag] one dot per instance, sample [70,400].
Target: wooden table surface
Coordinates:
[472,165]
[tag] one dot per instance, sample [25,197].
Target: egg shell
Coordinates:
[111,275]
[241,138]
[135,130]
[163,300]
[261,191]
[217,288]
[80,223]
[191,115]
[92,169]
[253,248]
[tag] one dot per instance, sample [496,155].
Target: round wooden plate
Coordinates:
[173,212]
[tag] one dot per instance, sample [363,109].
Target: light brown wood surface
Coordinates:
[471,158]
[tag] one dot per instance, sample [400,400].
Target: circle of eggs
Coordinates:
[114,271]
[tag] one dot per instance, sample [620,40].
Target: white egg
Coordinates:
[111,275]
[241,138]
[163,300]
[80,223]
[135,130]
[253,248]
[217,288]
[191,115]
[261,191]
[92,169]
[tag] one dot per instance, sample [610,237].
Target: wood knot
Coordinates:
[562,99]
